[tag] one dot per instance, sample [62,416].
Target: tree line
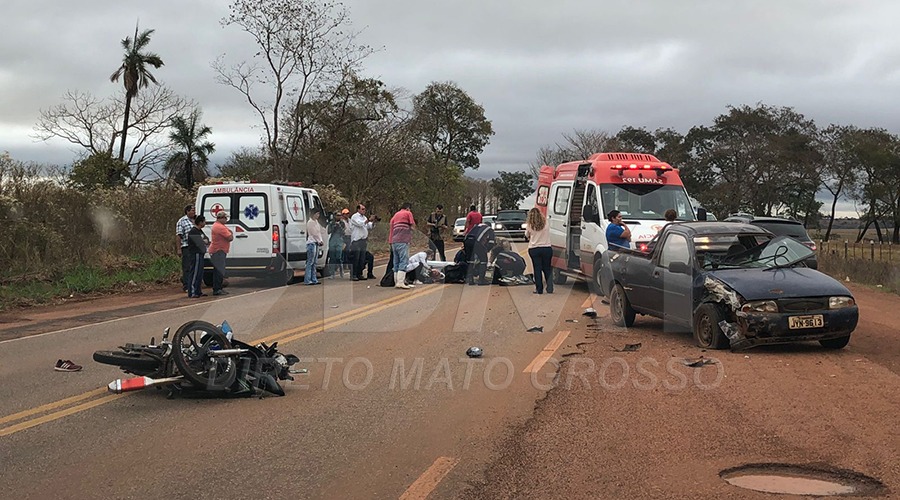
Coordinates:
[766,160]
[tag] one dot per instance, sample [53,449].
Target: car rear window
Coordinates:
[792,229]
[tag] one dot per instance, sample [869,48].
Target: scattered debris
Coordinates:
[66,365]
[847,279]
[474,352]
[536,329]
[746,357]
[604,301]
[590,312]
[629,348]
[334,307]
[299,371]
[696,363]
[571,321]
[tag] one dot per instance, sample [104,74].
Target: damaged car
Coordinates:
[733,285]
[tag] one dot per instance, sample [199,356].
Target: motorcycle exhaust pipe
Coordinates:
[227,352]
[119,386]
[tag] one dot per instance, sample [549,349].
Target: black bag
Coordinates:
[388,280]
[455,273]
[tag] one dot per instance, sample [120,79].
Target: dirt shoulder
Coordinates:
[643,425]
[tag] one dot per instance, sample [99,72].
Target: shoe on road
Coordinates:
[66,366]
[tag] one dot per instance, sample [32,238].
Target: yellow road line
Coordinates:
[428,481]
[589,302]
[546,353]
[284,337]
[6,431]
[50,406]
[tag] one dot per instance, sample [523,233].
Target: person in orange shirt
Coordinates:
[218,250]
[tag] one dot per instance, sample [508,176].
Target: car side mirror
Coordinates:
[679,268]
[701,213]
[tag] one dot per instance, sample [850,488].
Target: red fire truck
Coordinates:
[576,196]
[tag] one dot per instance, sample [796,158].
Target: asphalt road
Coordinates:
[392,408]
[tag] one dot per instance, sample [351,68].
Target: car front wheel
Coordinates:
[707,331]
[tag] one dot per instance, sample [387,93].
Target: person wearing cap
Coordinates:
[218,250]
[182,228]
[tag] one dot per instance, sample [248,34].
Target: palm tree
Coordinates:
[192,156]
[135,73]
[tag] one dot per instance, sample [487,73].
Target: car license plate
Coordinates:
[810,321]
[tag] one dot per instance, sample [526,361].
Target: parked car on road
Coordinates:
[781,227]
[732,284]
[510,224]
[459,229]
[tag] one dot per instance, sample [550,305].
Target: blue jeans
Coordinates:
[401,256]
[312,250]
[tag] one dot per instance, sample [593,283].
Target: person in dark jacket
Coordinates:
[478,242]
[196,249]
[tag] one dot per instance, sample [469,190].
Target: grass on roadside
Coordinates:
[86,280]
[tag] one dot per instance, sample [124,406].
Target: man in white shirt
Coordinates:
[360,225]
[417,264]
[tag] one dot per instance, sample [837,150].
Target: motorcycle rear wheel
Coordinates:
[127,360]
[192,344]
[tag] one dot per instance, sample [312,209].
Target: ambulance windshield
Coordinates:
[645,201]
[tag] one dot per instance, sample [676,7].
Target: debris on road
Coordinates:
[474,352]
[66,365]
[334,307]
[629,348]
[536,329]
[571,321]
[590,312]
[696,363]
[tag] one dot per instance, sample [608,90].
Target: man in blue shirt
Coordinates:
[617,234]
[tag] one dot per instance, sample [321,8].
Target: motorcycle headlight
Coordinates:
[760,306]
[840,302]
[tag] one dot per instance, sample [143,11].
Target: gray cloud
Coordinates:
[539,68]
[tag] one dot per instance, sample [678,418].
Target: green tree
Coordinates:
[511,187]
[451,124]
[135,74]
[192,150]
[98,170]
[247,164]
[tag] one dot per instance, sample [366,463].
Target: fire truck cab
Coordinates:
[576,196]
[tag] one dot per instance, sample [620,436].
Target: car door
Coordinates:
[591,231]
[673,291]
[557,219]
[252,230]
[295,228]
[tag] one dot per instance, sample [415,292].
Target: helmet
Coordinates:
[474,352]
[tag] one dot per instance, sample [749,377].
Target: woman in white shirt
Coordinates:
[538,233]
[313,242]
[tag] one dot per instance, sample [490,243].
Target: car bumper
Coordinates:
[772,328]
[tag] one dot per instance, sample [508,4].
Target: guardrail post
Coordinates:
[872,248]
[845,249]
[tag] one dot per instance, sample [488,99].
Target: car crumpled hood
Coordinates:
[758,284]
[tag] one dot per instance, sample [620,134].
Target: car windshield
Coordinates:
[460,222]
[505,216]
[646,201]
[791,229]
[748,251]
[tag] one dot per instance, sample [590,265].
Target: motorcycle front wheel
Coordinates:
[193,345]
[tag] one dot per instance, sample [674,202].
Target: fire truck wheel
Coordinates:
[558,277]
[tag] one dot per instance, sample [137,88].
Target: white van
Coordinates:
[269,224]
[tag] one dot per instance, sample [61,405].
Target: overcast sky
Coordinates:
[540,68]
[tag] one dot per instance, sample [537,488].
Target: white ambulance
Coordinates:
[269,225]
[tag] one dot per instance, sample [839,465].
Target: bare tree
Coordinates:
[90,124]
[578,145]
[306,50]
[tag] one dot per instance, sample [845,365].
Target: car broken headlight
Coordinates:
[760,306]
[840,302]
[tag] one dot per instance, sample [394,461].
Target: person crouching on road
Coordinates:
[537,231]
[313,242]
[617,234]
[218,250]
[402,224]
[197,249]
[417,266]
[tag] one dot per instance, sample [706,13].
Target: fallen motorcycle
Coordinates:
[201,358]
